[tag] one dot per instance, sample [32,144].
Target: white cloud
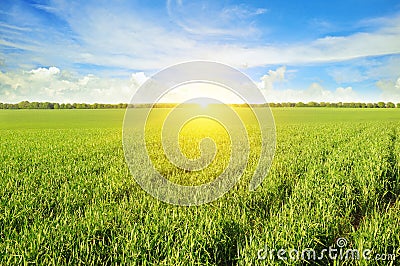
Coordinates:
[390,90]
[273,76]
[138,78]
[43,73]
[345,95]
[315,92]
[53,85]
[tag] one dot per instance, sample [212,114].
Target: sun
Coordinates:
[201,94]
[203,102]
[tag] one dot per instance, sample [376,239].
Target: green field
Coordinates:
[67,196]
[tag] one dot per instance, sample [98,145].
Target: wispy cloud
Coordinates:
[347,74]
[13,27]
[46,8]
[213,19]
[114,37]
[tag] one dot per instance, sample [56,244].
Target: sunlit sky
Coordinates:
[101,51]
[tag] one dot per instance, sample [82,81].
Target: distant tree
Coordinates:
[390,105]
[381,105]
[300,104]
[45,105]
[34,105]
[313,104]
[10,106]
[398,105]
[1,105]
[23,105]
[56,106]
[370,105]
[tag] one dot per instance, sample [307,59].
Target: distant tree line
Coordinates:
[49,105]
[338,105]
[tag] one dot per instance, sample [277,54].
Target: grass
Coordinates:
[67,197]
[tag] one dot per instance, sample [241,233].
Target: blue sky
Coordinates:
[101,51]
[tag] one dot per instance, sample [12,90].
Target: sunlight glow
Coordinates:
[200,90]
